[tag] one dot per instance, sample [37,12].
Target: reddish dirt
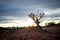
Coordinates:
[27,34]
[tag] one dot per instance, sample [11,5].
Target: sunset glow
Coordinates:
[27,22]
[15,12]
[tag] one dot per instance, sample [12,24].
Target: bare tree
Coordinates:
[36,17]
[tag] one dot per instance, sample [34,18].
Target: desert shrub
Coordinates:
[8,27]
[22,27]
[14,27]
[51,23]
[58,23]
[1,28]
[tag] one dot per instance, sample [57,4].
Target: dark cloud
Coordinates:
[7,9]
[2,20]
[8,12]
[49,3]
[21,8]
[8,19]
[5,19]
[53,15]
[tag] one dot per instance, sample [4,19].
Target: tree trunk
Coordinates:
[38,26]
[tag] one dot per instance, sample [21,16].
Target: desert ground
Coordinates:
[31,34]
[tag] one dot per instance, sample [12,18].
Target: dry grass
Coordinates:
[27,34]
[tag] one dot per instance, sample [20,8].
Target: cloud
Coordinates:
[53,13]
[18,9]
[52,4]
[11,19]
[7,19]
[22,7]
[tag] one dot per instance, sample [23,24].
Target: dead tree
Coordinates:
[36,18]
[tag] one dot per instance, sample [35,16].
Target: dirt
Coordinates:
[27,34]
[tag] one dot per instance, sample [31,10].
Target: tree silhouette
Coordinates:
[36,17]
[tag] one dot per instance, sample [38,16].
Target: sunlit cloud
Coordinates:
[15,12]
[26,22]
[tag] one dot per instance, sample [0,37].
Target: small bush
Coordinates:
[58,23]
[22,27]
[51,23]
[14,27]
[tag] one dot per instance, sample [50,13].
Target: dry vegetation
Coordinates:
[28,34]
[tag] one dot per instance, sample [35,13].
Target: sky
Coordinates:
[16,11]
